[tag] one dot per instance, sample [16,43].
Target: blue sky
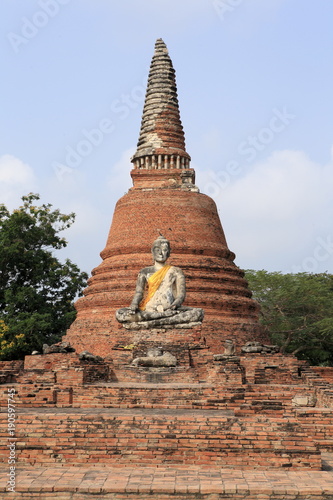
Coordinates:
[255,80]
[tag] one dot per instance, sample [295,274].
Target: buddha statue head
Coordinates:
[161,249]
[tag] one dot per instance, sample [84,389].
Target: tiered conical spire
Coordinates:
[162,142]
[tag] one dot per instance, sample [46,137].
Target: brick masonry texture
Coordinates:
[119,437]
[70,413]
[161,129]
[46,378]
[208,428]
[165,200]
[190,221]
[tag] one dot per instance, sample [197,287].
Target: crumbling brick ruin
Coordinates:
[206,411]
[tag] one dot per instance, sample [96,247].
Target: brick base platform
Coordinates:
[136,483]
[237,431]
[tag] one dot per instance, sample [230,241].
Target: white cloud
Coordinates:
[275,213]
[87,236]
[286,183]
[16,179]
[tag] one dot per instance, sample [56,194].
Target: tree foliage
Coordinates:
[297,312]
[36,290]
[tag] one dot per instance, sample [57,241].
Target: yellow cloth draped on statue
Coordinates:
[153,285]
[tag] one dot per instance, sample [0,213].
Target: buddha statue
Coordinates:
[159,295]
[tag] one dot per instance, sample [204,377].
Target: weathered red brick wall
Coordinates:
[103,437]
[16,364]
[271,369]
[317,422]
[122,423]
[9,370]
[325,372]
[62,379]
[245,400]
[68,388]
[51,362]
[323,387]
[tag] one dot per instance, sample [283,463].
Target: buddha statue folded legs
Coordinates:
[184,317]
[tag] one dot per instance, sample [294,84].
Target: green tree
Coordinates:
[297,312]
[36,290]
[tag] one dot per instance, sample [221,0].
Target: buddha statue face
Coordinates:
[161,250]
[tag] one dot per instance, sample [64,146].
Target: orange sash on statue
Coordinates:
[153,285]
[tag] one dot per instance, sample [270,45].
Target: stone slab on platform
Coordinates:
[163,483]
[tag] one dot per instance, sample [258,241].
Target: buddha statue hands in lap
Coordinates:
[160,292]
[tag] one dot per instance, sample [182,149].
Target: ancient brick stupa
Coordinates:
[168,413]
[165,200]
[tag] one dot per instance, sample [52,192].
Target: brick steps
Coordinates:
[163,483]
[317,422]
[186,437]
[245,399]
